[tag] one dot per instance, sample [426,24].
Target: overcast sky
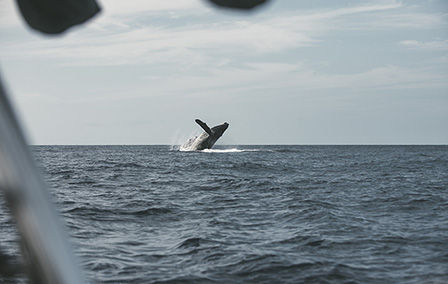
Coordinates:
[293,72]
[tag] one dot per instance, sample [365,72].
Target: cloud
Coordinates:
[286,79]
[151,44]
[224,51]
[117,7]
[438,44]
[130,34]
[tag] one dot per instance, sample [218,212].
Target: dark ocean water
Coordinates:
[251,214]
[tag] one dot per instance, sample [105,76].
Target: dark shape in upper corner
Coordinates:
[56,16]
[238,4]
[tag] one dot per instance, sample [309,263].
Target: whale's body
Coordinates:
[208,138]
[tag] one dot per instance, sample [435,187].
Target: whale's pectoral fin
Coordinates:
[204,126]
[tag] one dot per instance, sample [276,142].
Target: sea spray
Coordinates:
[182,141]
[233,150]
[193,142]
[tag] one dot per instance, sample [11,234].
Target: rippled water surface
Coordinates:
[251,214]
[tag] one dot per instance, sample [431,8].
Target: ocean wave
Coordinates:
[253,214]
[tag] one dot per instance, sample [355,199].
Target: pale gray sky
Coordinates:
[294,72]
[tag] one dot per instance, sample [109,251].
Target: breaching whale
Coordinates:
[208,138]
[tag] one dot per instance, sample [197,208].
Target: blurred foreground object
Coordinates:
[46,252]
[56,16]
[238,4]
[47,255]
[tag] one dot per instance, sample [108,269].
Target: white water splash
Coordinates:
[233,150]
[180,141]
